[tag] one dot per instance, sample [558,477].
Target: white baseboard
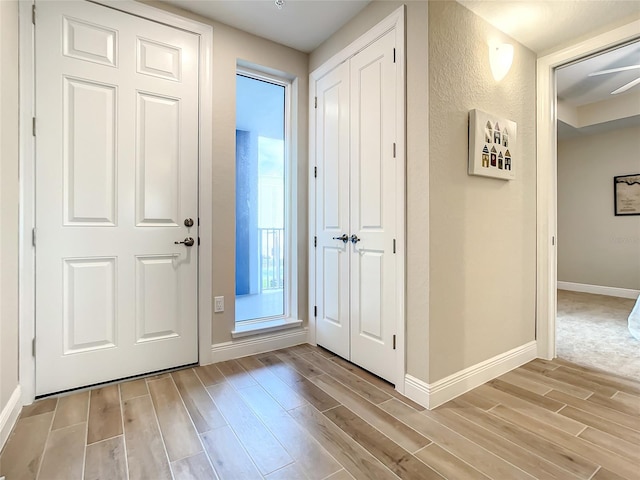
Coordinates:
[9,416]
[599,290]
[245,346]
[430,395]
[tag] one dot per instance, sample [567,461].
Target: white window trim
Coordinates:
[290,317]
[266,325]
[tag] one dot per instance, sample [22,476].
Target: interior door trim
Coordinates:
[395,21]
[27,180]
[546,161]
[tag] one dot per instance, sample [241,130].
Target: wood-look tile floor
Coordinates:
[302,413]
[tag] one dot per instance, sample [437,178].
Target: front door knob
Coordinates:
[188,242]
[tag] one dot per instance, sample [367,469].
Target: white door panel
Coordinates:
[373,207]
[356,195]
[89,316]
[157,160]
[89,180]
[116,175]
[158,299]
[332,216]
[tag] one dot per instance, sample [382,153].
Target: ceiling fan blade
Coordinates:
[614,70]
[626,87]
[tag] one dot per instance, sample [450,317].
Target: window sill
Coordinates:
[264,327]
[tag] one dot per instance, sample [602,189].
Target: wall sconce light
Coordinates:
[500,58]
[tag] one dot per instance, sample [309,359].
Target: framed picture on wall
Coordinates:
[493,145]
[626,194]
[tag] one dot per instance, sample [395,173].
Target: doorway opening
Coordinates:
[598,261]
[547,116]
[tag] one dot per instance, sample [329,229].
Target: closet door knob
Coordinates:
[342,237]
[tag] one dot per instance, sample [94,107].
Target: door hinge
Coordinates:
[33,347]
[315,241]
[315,311]
[33,237]
[394,150]
[316,102]
[394,245]
[315,172]
[33,126]
[394,55]
[33,14]
[198,241]
[553,241]
[394,342]
[198,221]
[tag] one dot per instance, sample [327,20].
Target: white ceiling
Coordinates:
[577,88]
[540,25]
[300,24]
[543,25]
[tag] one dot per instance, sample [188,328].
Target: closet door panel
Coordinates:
[332,214]
[373,207]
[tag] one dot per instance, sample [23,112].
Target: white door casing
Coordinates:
[332,211]
[546,164]
[356,196]
[116,176]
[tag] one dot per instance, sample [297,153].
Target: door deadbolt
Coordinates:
[188,222]
[188,242]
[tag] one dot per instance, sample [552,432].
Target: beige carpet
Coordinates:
[591,330]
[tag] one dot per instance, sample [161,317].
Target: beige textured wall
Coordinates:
[483,230]
[417,228]
[594,246]
[229,46]
[9,194]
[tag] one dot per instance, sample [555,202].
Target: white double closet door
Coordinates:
[116,178]
[356,200]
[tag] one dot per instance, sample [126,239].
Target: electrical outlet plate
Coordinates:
[218,304]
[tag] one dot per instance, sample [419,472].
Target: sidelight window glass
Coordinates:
[261,193]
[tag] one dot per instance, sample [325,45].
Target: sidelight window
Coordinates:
[262,198]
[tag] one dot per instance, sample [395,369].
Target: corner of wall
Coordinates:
[431,395]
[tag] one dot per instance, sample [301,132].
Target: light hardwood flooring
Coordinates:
[302,413]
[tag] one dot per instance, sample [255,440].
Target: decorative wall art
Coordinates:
[492,146]
[626,192]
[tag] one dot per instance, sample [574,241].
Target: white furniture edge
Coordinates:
[546,204]
[431,395]
[27,182]
[9,415]
[599,290]
[395,20]
[246,346]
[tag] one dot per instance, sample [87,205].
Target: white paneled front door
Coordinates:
[116,178]
[356,279]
